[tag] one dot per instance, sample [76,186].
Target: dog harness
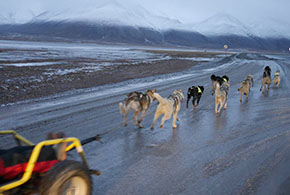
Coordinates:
[199,90]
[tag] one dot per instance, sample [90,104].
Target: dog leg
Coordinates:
[164,118]
[124,110]
[262,88]
[135,118]
[241,96]
[193,103]
[156,116]
[216,105]
[226,103]
[175,118]
[142,118]
[219,107]
[125,119]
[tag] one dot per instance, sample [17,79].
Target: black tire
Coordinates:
[66,176]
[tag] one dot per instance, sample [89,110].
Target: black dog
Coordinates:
[196,93]
[218,79]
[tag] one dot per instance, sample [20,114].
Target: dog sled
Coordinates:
[36,168]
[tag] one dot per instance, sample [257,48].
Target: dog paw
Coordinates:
[152,128]
[125,125]
[140,126]
[161,126]
[174,127]
[177,119]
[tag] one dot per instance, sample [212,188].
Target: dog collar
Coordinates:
[277,74]
[225,80]
[199,90]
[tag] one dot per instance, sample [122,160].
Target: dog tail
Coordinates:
[159,98]
[123,109]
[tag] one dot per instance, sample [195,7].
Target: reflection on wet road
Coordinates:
[244,150]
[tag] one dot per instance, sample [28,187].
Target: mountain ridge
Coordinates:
[110,33]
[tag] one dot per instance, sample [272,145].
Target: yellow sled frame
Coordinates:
[75,143]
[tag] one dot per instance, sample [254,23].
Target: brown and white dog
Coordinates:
[266,79]
[168,106]
[138,102]
[276,80]
[246,86]
[220,86]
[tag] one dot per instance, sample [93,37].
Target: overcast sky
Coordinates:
[186,11]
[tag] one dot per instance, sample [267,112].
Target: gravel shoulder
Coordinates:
[20,83]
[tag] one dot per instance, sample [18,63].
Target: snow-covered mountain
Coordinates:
[270,28]
[222,24]
[225,24]
[116,12]
[113,21]
[110,12]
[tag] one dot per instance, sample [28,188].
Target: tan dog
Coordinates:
[276,80]
[246,86]
[221,96]
[250,79]
[138,102]
[220,87]
[168,106]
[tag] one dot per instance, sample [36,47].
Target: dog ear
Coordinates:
[154,90]
[213,77]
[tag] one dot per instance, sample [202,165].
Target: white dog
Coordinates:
[168,106]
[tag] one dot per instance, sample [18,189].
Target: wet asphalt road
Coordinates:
[244,150]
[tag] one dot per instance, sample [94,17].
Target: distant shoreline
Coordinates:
[20,83]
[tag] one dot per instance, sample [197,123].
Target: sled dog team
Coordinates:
[170,106]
